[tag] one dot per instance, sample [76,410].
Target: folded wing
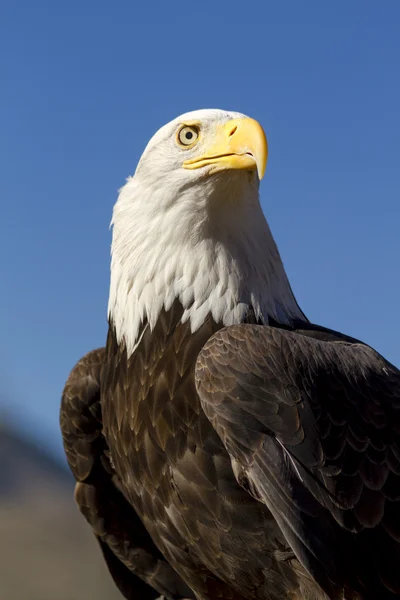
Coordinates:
[312,424]
[136,565]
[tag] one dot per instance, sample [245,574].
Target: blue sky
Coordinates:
[83,87]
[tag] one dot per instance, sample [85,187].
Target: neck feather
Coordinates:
[222,263]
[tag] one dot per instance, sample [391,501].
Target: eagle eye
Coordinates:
[188,135]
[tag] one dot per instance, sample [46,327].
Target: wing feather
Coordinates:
[311,422]
[136,565]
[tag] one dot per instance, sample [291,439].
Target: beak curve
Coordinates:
[239,144]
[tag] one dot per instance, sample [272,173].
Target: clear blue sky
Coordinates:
[83,87]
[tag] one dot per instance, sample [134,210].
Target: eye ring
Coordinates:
[187,135]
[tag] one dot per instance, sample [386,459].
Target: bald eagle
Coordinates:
[223,446]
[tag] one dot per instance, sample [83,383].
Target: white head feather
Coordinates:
[203,239]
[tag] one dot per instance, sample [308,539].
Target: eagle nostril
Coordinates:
[232,131]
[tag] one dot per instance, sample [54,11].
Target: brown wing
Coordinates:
[136,565]
[312,424]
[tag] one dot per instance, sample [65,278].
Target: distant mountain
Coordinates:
[47,552]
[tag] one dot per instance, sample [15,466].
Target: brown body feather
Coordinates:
[177,474]
[137,566]
[312,421]
[276,478]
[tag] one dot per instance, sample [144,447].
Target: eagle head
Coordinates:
[189,226]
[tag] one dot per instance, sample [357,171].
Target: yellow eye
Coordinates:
[188,135]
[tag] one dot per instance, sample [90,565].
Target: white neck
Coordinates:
[217,256]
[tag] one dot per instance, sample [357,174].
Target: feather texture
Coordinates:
[177,474]
[312,422]
[137,566]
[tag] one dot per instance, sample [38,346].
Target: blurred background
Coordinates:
[84,85]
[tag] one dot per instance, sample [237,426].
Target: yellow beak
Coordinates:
[239,144]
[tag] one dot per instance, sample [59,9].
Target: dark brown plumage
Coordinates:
[303,412]
[137,566]
[177,474]
[310,420]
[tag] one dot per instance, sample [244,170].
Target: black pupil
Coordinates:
[189,135]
